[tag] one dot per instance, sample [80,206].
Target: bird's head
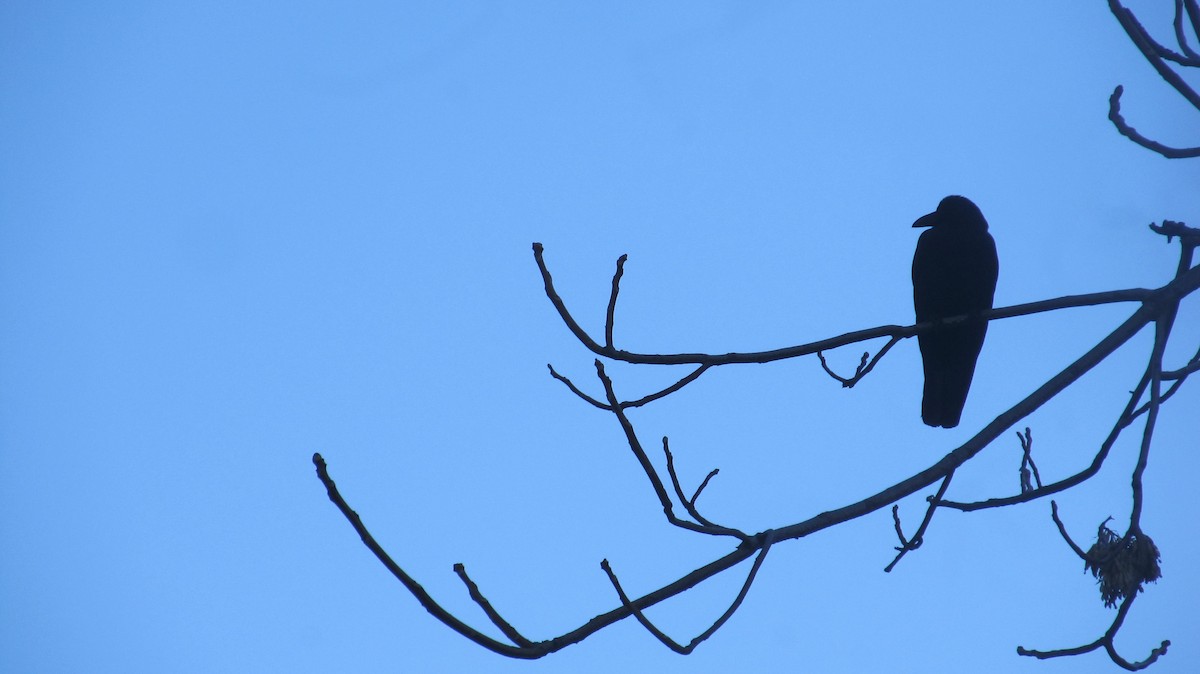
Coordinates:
[954,211]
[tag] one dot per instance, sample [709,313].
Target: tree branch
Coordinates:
[892,331]
[1155,54]
[737,602]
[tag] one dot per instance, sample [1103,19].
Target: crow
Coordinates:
[954,273]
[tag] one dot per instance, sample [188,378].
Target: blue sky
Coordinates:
[238,233]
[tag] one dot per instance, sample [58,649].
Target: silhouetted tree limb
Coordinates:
[1105,642]
[1156,306]
[1121,563]
[864,367]
[1157,55]
[737,601]
[907,544]
[896,331]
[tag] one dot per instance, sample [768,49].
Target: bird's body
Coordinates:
[954,273]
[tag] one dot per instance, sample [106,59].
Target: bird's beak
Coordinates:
[926,220]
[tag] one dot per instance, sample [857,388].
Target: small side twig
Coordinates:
[1193,58]
[612,301]
[497,620]
[693,376]
[918,537]
[523,651]
[575,389]
[765,540]
[1062,529]
[864,366]
[690,504]
[1028,467]
[648,468]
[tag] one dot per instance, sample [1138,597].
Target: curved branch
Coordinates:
[575,389]
[648,468]
[919,537]
[1105,642]
[892,331]
[1147,45]
[612,301]
[435,609]
[1114,115]
[1193,58]
[1062,529]
[497,620]
[540,648]
[667,641]
[864,367]
[1155,54]
[693,376]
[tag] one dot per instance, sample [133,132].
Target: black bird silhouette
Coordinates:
[954,273]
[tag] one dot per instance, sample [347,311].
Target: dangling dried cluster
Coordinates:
[1122,564]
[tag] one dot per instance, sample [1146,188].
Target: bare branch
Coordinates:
[1105,642]
[1150,49]
[670,389]
[612,301]
[1157,306]
[1181,36]
[1155,54]
[492,614]
[690,504]
[540,648]
[648,468]
[1114,114]
[693,376]
[1162,311]
[1193,11]
[891,331]
[919,537]
[1028,467]
[864,367]
[765,541]
[574,389]
[984,437]
[1062,529]
[413,586]
[704,483]
[904,542]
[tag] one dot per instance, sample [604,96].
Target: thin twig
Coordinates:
[497,620]
[703,483]
[695,374]
[1062,529]
[864,367]
[1146,45]
[919,537]
[690,504]
[612,301]
[1127,130]
[1027,464]
[525,652]
[765,542]
[1181,36]
[648,468]
[575,389]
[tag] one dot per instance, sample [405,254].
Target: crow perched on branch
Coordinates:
[954,273]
